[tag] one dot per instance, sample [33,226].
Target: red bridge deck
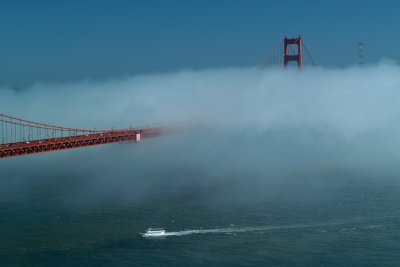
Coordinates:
[70,142]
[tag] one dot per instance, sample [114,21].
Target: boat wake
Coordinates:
[259,229]
[233,230]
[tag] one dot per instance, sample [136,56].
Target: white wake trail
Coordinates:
[232,230]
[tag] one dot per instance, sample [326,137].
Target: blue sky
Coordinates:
[62,41]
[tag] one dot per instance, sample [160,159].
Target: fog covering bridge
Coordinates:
[23,137]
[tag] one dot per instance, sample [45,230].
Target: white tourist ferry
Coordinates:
[154,232]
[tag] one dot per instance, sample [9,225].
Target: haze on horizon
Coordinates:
[283,132]
[104,65]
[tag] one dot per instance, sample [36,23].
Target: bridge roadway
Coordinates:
[70,142]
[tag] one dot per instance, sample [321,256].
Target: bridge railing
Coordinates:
[16,130]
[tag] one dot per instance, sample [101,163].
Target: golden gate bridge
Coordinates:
[23,137]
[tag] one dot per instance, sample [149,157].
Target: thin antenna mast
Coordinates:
[361,53]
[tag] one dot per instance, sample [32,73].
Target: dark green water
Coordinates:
[358,224]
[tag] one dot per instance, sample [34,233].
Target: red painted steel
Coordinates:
[287,57]
[71,142]
[290,45]
[22,137]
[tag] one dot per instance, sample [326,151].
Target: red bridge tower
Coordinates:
[293,57]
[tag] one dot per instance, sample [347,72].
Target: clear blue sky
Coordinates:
[76,39]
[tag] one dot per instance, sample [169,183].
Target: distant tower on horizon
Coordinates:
[360,53]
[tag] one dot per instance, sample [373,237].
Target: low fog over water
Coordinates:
[249,134]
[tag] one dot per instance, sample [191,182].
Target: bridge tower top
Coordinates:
[287,57]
